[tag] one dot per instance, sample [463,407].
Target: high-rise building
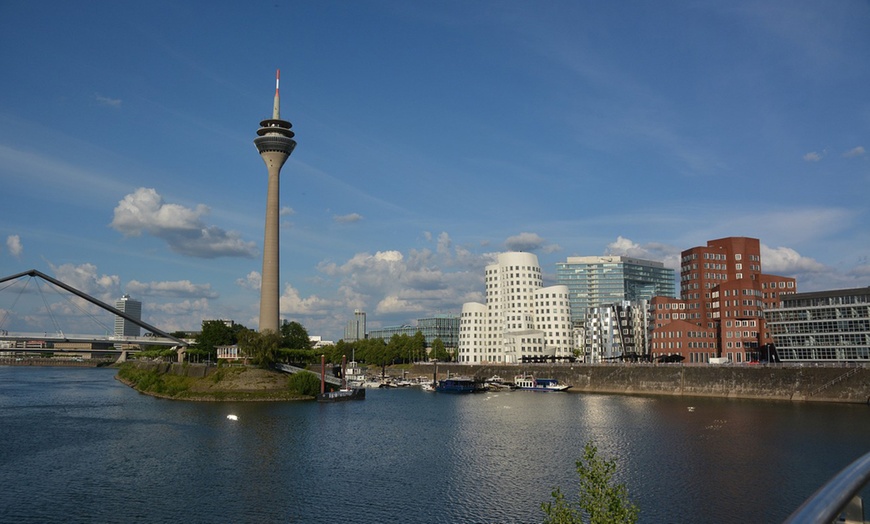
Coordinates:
[598,281]
[356,328]
[275,143]
[521,320]
[123,327]
[615,332]
[722,291]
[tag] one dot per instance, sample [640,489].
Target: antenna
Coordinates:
[276,109]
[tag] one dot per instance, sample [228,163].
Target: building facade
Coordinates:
[722,291]
[598,281]
[615,332]
[356,328]
[445,327]
[520,321]
[123,327]
[829,326]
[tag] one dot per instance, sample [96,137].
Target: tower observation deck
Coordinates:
[275,144]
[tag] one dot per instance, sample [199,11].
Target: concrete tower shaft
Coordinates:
[275,143]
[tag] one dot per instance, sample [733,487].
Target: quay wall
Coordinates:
[790,382]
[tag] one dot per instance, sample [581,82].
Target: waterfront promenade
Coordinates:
[811,383]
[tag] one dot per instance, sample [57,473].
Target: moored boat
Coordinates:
[459,385]
[342,394]
[530,383]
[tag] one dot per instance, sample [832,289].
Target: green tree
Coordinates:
[600,501]
[304,383]
[439,352]
[215,333]
[261,348]
[294,336]
[418,346]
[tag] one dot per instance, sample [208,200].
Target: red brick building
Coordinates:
[720,313]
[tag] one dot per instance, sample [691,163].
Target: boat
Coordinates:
[459,385]
[426,386]
[346,392]
[339,395]
[530,383]
[355,375]
[496,382]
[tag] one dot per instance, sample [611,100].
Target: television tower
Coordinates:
[275,143]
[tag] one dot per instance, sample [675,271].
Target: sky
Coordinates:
[431,137]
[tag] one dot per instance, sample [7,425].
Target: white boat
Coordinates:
[530,383]
[427,386]
[355,375]
[496,382]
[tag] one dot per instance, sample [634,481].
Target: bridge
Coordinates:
[38,341]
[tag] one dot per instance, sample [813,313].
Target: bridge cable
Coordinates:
[48,309]
[87,313]
[18,296]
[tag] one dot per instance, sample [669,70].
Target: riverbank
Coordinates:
[807,383]
[202,383]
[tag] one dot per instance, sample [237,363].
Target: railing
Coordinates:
[826,504]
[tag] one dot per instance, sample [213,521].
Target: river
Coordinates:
[78,446]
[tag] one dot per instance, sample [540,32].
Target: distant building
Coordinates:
[444,327]
[356,328]
[617,331]
[521,320]
[827,326]
[601,281]
[133,308]
[722,291]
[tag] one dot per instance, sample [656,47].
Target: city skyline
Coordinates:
[432,138]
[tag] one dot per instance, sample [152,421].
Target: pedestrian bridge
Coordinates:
[287,368]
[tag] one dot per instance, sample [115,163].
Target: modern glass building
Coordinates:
[604,280]
[822,326]
[445,327]
[356,328]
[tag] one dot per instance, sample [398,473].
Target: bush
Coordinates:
[304,383]
[600,501]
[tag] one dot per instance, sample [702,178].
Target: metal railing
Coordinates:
[827,504]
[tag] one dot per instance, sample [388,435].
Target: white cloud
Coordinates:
[178,288]
[252,280]
[144,211]
[291,303]
[13,243]
[347,219]
[106,101]
[855,151]
[286,211]
[654,251]
[787,261]
[812,157]
[393,304]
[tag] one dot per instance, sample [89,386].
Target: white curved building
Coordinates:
[521,318]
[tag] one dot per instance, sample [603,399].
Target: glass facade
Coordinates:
[602,281]
[445,327]
[822,326]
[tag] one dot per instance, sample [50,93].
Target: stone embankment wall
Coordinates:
[790,382]
[189,370]
[58,362]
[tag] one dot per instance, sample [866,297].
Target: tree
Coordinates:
[418,346]
[439,352]
[261,348]
[294,336]
[215,333]
[600,500]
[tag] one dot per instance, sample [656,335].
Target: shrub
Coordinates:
[304,383]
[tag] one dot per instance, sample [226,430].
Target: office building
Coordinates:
[520,321]
[444,327]
[123,327]
[826,326]
[356,328]
[597,281]
[722,291]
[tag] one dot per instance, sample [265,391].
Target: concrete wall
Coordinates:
[807,383]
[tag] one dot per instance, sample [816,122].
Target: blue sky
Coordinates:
[431,136]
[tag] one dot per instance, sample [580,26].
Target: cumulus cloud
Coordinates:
[144,211]
[524,242]
[812,157]
[291,303]
[655,251]
[13,243]
[787,261]
[286,211]
[183,308]
[178,288]
[855,151]
[252,280]
[347,219]
[106,101]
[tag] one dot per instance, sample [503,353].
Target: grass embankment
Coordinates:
[221,384]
